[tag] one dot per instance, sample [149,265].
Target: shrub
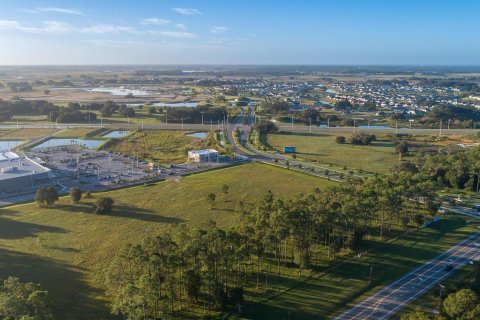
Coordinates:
[103,205]
[340,139]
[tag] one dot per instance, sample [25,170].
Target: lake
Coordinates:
[116,134]
[119,91]
[91,144]
[198,135]
[162,104]
[6,145]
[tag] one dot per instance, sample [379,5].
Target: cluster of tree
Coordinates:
[310,114]
[265,127]
[19,86]
[462,302]
[453,113]
[458,170]
[363,139]
[343,105]
[194,115]
[357,139]
[211,266]
[71,113]
[275,106]
[23,301]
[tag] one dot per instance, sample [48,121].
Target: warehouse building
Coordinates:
[17,173]
[207,155]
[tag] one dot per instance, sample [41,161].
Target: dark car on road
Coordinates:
[448,268]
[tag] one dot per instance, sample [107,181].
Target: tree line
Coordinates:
[210,267]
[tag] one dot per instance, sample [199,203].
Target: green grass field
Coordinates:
[163,146]
[378,157]
[66,248]
[324,296]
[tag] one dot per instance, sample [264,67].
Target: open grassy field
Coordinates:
[323,296]
[163,146]
[377,157]
[80,133]
[66,248]
[24,133]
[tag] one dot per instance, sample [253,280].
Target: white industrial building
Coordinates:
[19,172]
[207,155]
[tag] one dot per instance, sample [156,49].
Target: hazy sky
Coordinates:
[240,32]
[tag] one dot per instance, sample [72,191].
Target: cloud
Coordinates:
[217,30]
[73,11]
[47,27]
[155,21]
[187,11]
[174,34]
[181,26]
[59,27]
[107,28]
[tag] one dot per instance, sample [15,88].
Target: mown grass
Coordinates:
[377,157]
[162,146]
[67,248]
[325,295]
[24,133]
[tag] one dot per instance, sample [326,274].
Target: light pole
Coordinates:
[292,120]
[328,122]
[441,123]
[202,116]
[310,119]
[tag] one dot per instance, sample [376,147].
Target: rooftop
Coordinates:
[24,166]
[205,151]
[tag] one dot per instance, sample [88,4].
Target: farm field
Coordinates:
[66,248]
[324,296]
[162,146]
[377,157]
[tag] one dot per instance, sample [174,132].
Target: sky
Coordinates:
[300,32]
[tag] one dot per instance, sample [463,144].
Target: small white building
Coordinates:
[207,155]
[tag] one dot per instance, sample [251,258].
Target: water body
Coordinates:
[119,91]
[91,144]
[198,135]
[6,145]
[331,91]
[116,134]
[161,104]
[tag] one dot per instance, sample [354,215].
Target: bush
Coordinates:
[46,196]
[103,205]
[75,194]
[340,139]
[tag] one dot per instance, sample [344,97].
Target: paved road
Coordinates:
[392,298]
[207,126]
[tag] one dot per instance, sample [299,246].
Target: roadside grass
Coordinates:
[25,133]
[324,296]
[80,133]
[377,157]
[66,248]
[163,146]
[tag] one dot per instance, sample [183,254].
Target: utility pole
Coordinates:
[396,127]
[310,124]
[202,116]
[370,276]
[448,124]
[441,127]
[328,122]
[292,120]
[354,126]
[182,123]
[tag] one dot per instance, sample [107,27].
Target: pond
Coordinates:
[162,104]
[331,91]
[120,91]
[116,134]
[91,144]
[198,135]
[6,145]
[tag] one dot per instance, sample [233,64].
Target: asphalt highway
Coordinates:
[392,298]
